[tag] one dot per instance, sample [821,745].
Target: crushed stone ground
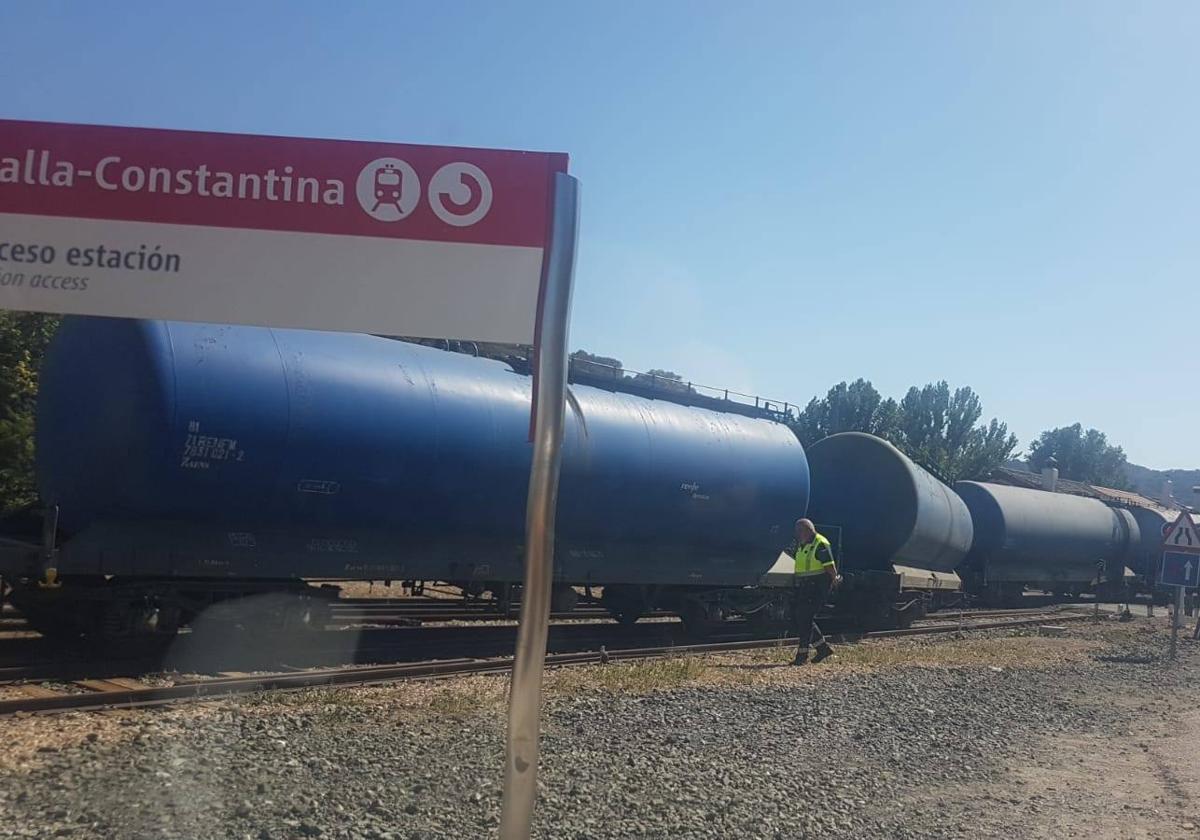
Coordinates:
[994,735]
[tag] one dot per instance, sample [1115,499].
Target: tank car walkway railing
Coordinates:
[676,389]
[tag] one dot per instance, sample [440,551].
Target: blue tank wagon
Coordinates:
[1054,542]
[200,459]
[1148,553]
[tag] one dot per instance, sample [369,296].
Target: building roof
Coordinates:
[1109,495]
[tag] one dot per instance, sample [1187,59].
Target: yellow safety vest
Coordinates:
[806,557]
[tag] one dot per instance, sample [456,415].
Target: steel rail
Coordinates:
[206,689]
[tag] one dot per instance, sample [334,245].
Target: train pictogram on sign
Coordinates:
[389,184]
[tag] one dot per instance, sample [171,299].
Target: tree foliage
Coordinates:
[932,425]
[942,429]
[23,340]
[659,379]
[596,365]
[1081,456]
[856,407]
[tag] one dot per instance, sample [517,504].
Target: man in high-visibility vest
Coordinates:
[816,574]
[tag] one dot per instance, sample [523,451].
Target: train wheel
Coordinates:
[626,603]
[564,599]
[53,614]
[58,627]
[307,614]
[626,618]
[700,618]
[774,617]
[137,619]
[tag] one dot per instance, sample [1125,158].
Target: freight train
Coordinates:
[182,465]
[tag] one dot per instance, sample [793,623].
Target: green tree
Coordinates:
[23,340]
[940,429]
[932,425]
[853,407]
[594,365]
[663,380]
[1081,456]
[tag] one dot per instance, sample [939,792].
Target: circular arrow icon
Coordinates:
[460,194]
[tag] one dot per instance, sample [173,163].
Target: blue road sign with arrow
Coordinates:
[1180,569]
[1181,553]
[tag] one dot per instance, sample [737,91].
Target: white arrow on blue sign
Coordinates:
[1180,568]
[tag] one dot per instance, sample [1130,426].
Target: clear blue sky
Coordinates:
[778,196]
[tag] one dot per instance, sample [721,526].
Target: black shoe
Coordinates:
[801,659]
[823,653]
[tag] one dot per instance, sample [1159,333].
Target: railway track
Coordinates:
[407,611]
[33,659]
[969,614]
[118,692]
[204,654]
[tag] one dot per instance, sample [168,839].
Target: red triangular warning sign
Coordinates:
[1183,534]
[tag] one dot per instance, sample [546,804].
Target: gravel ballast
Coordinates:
[908,743]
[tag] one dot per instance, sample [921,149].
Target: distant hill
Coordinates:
[1149,482]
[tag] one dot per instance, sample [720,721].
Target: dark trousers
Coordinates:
[808,598]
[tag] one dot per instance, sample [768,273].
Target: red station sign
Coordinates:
[325,234]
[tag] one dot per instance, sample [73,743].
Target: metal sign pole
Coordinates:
[525,698]
[1176,619]
[1180,567]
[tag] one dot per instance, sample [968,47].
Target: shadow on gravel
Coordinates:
[1127,659]
[758,666]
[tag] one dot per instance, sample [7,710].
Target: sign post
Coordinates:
[525,700]
[419,241]
[1180,566]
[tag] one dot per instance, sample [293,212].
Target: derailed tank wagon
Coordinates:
[902,532]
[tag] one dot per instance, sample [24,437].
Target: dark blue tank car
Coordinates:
[198,450]
[1051,541]
[888,510]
